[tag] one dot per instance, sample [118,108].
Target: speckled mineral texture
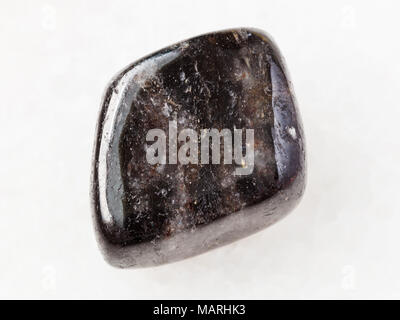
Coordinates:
[149,214]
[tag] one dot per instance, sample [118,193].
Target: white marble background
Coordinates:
[341,242]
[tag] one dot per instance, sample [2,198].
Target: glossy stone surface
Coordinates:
[146,214]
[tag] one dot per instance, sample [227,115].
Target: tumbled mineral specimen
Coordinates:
[163,187]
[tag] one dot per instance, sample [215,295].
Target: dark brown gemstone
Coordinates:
[148,213]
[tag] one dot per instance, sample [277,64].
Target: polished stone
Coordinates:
[149,214]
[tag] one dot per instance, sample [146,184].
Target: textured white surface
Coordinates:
[341,242]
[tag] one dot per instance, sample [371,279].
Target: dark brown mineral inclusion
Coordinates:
[149,214]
